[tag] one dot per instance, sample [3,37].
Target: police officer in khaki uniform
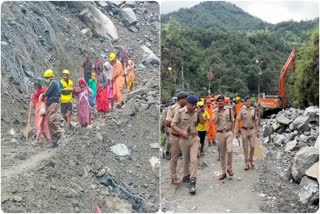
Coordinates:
[250,130]
[174,138]
[185,124]
[224,121]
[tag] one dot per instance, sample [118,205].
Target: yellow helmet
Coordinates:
[112,56]
[200,103]
[237,98]
[48,73]
[66,72]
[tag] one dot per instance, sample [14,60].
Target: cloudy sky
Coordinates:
[271,11]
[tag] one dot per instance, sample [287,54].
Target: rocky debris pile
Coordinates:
[38,35]
[292,138]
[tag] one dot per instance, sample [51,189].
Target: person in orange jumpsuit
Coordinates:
[117,79]
[211,131]
[239,106]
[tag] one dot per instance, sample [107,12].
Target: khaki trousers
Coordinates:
[225,146]
[175,151]
[54,129]
[190,150]
[248,139]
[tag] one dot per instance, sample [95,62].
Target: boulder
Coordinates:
[301,123]
[291,146]
[267,130]
[312,112]
[276,126]
[131,108]
[309,191]
[149,57]
[283,120]
[120,150]
[128,17]
[291,126]
[278,139]
[313,171]
[87,32]
[303,160]
[98,21]
[290,137]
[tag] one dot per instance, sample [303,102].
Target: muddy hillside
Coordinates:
[112,164]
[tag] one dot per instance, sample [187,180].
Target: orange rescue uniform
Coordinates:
[211,130]
[239,106]
[118,81]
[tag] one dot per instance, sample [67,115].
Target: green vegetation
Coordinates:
[220,37]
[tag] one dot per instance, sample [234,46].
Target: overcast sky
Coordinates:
[270,11]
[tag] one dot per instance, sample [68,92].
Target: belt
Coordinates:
[176,135]
[193,135]
[223,131]
[245,128]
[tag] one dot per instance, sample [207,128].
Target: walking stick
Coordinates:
[29,115]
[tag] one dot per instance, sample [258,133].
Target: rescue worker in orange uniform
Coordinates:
[239,106]
[117,79]
[211,131]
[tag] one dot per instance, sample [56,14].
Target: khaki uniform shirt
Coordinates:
[184,119]
[171,112]
[223,122]
[246,115]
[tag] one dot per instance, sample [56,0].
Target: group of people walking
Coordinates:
[102,85]
[189,121]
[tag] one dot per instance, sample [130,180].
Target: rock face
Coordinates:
[309,191]
[303,160]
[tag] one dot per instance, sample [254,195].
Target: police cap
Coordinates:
[220,97]
[182,95]
[246,98]
[192,99]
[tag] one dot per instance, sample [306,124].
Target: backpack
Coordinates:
[123,56]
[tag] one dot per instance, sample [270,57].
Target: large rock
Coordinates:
[301,123]
[303,160]
[267,131]
[128,17]
[131,108]
[291,146]
[120,150]
[95,19]
[312,112]
[313,171]
[290,137]
[309,191]
[149,57]
[278,139]
[276,126]
[283,120]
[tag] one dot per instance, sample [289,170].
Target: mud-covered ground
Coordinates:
[37,179]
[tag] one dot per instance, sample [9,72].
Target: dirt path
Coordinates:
[28,164]
[231,195]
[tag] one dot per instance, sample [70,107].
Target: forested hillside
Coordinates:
[221,37]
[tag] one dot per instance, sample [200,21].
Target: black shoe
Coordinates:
[192,188]
[52,145]
[186,179]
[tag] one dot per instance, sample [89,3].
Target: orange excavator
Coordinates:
[274,103]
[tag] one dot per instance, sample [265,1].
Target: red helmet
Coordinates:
[226,99]
[208,101]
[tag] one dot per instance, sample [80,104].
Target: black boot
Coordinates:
[192,188]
